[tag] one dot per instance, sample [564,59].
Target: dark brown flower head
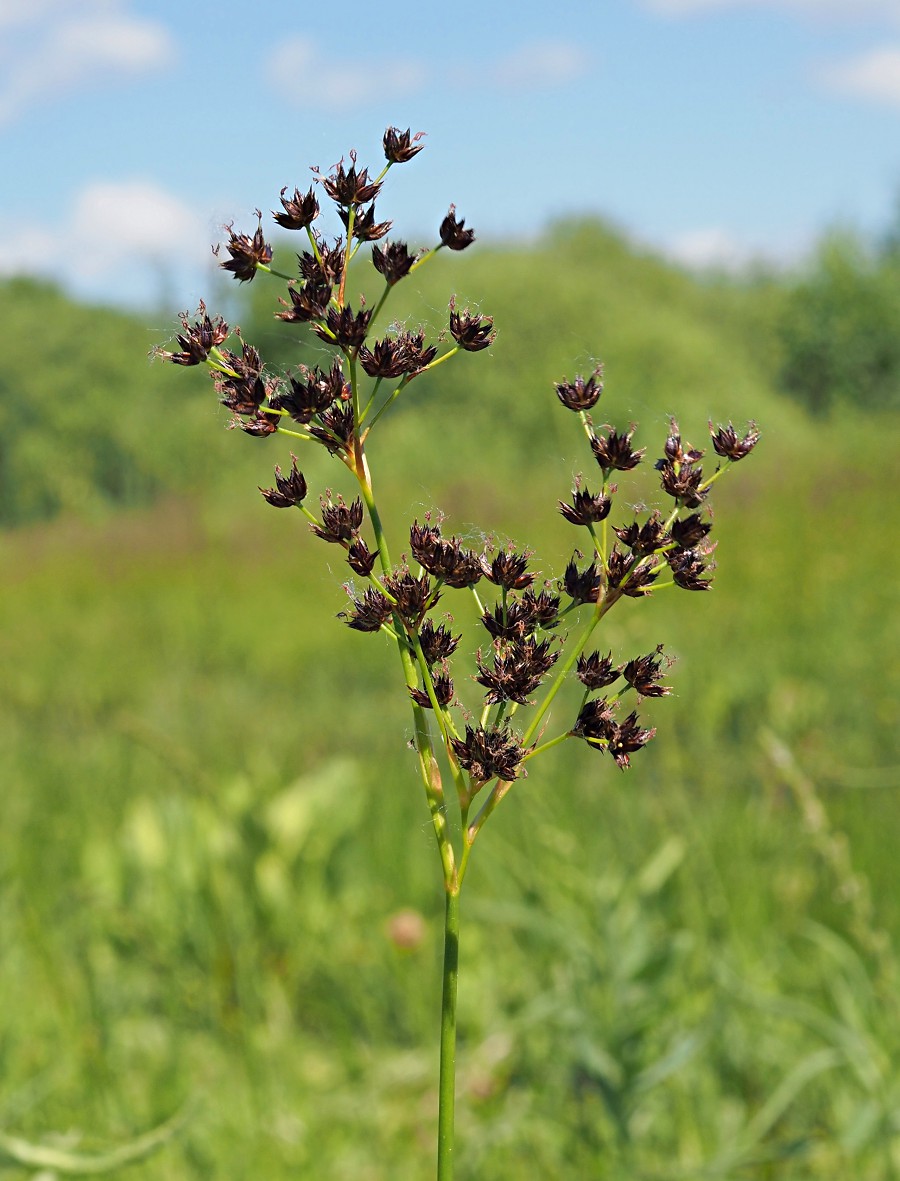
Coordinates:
[644,672]
[453,233]
[445,559]
[519,667]
[471,333]
[413,596]
[443,691]
[324,267]
[332,382]
[726,442]
[437,642]
[260,426]
[247,365]
[246,253]
[542,610]
[455,566]
[682,480]
[595,720]
[613,452]
[198,338]
[632,576]
[495,753]
[520,617]
[586,508]
[289,491]
[596,671]
[425,541]
[508,569]
[582,586]
[340,522]
[345,328]
[240,396]
[386,358]
[581,394]
[646,538]
[677,451]
[689,531]
[369,612]
[626,739]
[336,431]
[360,559]
[418,354]
[348,187]
[365,227]
[393,260]
[509,622]
[400,146]
[300,211]
[687,565]
[596,724]
[243,389]
[310,393]
[308,303]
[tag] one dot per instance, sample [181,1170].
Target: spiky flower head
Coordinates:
[246,253]
[400,146]
[443,692]
[453,233]
[493,753]
[581,394]
[586,508]
[582,586]
[346,186]
[392,260]
[197,338]
[370,612]
[289,491]
[596,671]
[613,452]
[299,212]
[643,674]
[727,443]
[340,521]
[472,333]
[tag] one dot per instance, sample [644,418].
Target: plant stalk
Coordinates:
[447,1085]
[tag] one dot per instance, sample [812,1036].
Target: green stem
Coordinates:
[380,304]
[425,257]
[261,266]
[384,405]
[424,748]
[539,750]
[447,1085]
[602,607]
[283,430]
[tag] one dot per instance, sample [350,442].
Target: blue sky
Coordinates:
[713,130]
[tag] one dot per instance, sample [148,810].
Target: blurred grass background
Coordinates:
[212,819]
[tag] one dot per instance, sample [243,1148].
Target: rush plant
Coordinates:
[536,633]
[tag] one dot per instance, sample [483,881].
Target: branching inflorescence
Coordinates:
[537,633]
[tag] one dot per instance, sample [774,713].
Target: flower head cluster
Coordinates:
[530,619]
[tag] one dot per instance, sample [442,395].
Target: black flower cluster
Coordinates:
[530,622]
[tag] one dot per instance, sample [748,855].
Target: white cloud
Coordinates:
[116,233]
[858,10]
[874,75]
[86,45]
[539,65]
[710,248]
[295,70]
[116,222]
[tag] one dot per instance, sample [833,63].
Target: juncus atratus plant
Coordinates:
[537,632]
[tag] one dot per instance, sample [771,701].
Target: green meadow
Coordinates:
[219,891]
